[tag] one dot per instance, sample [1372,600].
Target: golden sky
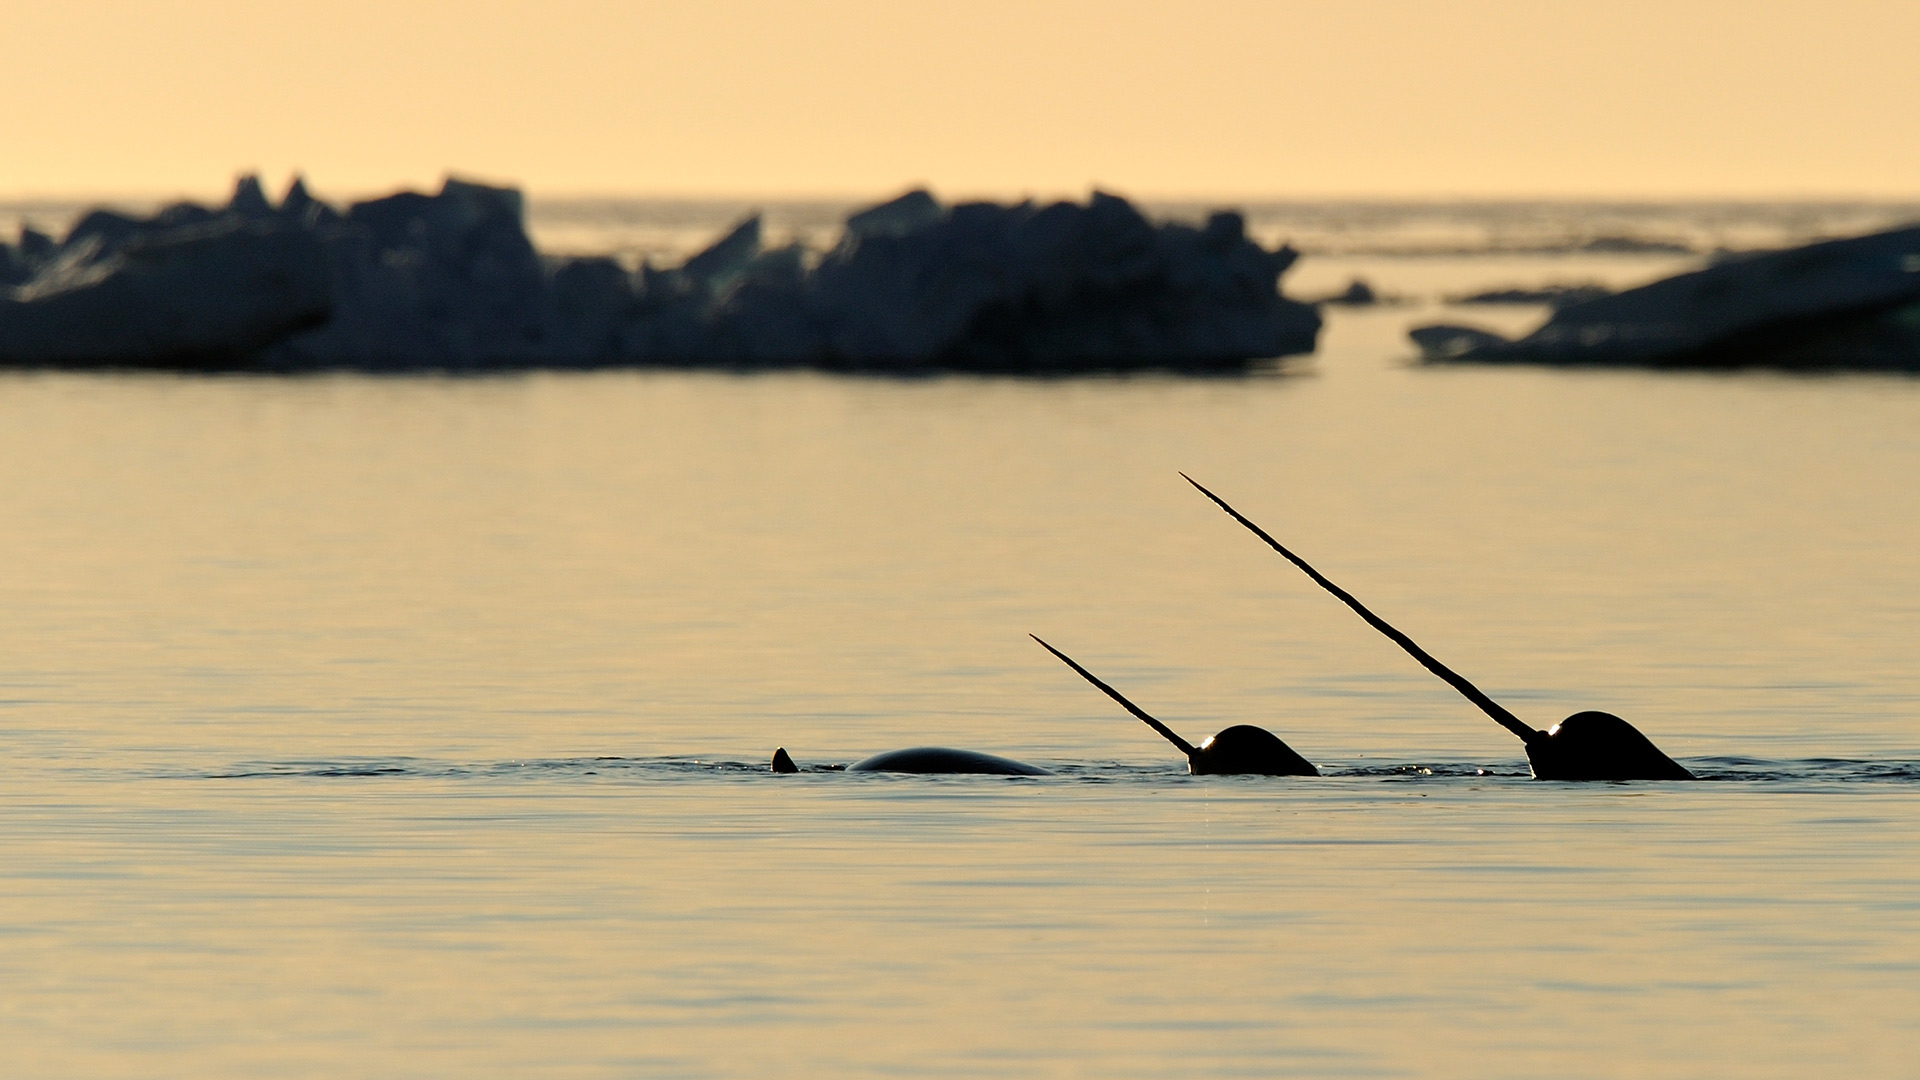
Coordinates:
[856,97]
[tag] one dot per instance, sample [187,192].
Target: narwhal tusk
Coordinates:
[1185,746]
[1447,675]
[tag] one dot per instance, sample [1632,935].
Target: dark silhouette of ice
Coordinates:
[1852,303]
[451,282]
[1554,296]
[190,287]
[1358,293]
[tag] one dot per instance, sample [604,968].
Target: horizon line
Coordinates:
[585,193]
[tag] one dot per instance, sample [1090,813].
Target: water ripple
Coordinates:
[1726,769]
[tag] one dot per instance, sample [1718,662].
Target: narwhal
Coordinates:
[1585,746]
[1241,750]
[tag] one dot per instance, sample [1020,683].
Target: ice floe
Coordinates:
[1851,303]
[451,281]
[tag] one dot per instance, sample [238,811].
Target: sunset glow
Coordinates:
[1216,98]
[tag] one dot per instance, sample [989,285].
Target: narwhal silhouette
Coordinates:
[1584,746]
[926,759]
[1241,750]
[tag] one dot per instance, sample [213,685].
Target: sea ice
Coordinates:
[451,281]
[185,290]
[1839,303]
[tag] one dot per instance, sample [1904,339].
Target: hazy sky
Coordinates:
[1151,97]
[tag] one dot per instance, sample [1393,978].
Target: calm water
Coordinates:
[416,728]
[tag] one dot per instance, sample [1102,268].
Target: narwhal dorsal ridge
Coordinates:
[1241,750]
[941,759]
[1585,746]
[926,760]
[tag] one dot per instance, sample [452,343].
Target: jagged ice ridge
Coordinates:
[451,281]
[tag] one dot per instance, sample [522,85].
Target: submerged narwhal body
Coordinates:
[940,759]
[1241,750]
[929,760]
[1585,746]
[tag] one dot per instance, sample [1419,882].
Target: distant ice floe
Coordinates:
[1841,304]
[1555,296]
[452,282]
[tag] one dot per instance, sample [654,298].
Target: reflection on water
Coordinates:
[395,727]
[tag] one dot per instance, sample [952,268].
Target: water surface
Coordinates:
[417,727]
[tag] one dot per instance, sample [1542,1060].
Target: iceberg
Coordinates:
[1849,303]
[451,281]
[189,288]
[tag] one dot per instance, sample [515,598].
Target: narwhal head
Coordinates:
[1245,750]
[1599,746]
